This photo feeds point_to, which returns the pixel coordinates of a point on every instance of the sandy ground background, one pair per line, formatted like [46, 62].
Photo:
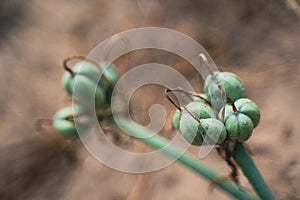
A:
[258, 40]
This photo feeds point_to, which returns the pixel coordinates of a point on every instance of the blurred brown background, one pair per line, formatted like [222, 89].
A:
[258, 40]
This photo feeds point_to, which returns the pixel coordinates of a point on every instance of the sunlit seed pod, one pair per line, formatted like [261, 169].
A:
[213, 131]
[231, 84]
[199, 109]
[249, 108]
[238, 125]
[63, 121]
[204, 98]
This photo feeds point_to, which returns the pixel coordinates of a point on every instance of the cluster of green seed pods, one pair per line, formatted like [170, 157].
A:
[235, 119]
[89, 84]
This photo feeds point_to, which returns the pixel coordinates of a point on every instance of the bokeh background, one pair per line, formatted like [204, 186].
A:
[258, 40]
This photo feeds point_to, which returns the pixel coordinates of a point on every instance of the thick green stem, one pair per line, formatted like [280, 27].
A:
[185, 158]
[248, 167]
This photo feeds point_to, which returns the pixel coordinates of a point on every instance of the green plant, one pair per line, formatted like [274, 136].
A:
[196, 121]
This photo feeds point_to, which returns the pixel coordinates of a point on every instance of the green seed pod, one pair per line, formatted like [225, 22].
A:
[188, 126]
[189, 129]
[239, 126]
[83, 68]
[63, 121]
[85, 77]
[231, 84]
[249, 108]
[213, 131]
[86, 90]
[199, 109]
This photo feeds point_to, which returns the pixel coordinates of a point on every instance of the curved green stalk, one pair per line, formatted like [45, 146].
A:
[159, 142]
[248, 167]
